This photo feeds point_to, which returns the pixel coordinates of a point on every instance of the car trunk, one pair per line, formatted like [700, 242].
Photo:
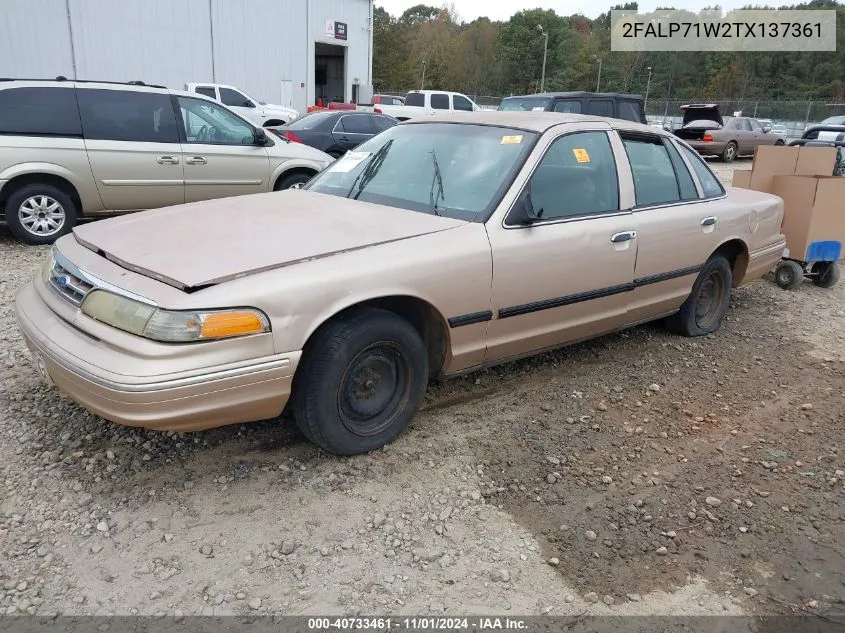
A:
[698, 120]
[196, 245]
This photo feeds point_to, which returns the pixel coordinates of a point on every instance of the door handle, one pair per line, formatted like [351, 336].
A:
[624, 236]
[167, 160]
[710, 221]
[196, 160]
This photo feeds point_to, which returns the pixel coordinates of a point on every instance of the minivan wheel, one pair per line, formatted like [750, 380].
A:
[704, 309]
[362, 377]
[40, 214]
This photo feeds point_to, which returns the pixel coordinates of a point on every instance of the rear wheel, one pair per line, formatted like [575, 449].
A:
[826, 274]
[40, 213]
[362, 377]
[779, 142]
[704, 309]
[729, 153]
[789, 274]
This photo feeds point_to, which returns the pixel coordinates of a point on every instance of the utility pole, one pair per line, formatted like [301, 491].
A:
[598, 81]
[422, 84]
[545, 50]
[647, 86]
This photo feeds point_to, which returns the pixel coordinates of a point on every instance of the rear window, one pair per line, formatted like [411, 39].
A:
[523, 104]
[440, 101]
[206, 92]
[115, 115]
[39, 112]
[415, 99]
[310, 121]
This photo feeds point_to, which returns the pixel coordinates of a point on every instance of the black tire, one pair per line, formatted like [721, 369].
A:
[292, 181]
[704, 309]
[729, 153]
[789, 274]
[273, 122]
[826, 274]
[779, 142]
[32, 196]
[371, 345]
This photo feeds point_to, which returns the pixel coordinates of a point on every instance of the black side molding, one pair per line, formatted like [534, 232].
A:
[674, 274]
[469, 319]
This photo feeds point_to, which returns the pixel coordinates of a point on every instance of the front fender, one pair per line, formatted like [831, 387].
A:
[296, 163]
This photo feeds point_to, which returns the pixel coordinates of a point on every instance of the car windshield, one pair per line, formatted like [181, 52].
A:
[310, 121]
[454, 170]
[524, 104]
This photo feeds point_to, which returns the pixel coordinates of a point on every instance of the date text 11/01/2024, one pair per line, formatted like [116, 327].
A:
[414, 624]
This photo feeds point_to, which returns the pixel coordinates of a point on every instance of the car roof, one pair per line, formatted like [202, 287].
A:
[531, 121]
[581, 93]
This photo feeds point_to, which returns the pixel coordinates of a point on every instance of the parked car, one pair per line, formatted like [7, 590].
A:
[421, 103]
[780, 130]
[834, 120]
[414, 256]
[73, 149]
[260, 113]
[388, 100]
[829, 135]
[710, 134]
[766, 124]
[609, 104]
[335, 132]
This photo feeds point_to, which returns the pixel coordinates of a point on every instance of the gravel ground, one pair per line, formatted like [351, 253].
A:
[638, 473]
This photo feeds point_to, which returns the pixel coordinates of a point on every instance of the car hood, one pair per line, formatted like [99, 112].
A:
[701, 112]
[200, 244]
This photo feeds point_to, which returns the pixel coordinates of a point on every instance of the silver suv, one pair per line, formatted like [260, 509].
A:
[73, 149]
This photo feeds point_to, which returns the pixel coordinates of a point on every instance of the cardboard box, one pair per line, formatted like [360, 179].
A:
[814, 218]
[814, 200]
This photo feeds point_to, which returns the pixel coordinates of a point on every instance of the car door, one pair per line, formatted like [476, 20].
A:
[240, 104]
[567, 275]
[439, 102]
[219, 152]
[462, 104]
[351, 130]
[746, 138]
[677, 225]
[761, 137]
[132, 141]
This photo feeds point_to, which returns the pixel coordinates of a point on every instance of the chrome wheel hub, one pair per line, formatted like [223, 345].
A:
[41, 215]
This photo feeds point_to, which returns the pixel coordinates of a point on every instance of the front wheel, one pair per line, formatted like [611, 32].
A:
[704, 309]
[292, 181]
[40, 214]
[362, 378]
[729, 153]
[789, 274]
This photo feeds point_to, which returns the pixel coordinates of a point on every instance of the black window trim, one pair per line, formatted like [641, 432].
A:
[578, 218]
[659, 205]
[183, 133]
[698, 184]
[667, 144]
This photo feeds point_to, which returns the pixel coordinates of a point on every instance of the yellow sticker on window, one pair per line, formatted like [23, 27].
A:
[512, 140]
[581, 155]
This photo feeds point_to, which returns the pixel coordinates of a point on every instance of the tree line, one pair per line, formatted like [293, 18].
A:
[431, 47]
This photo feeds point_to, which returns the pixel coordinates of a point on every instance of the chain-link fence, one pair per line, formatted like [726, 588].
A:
[795, 116]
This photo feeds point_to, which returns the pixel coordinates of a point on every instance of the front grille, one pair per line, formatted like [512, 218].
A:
[70, 286]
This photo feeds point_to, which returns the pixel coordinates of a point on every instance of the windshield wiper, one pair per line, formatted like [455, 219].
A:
[436, 180]
[369, 172]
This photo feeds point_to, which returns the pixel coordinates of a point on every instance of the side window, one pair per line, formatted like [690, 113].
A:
[685, 182]
[208, 123]
[382, 123]
[39, 111]
[356, 124]
[127, 115]
[235, 99]
[206, 91]
[600, 107]
[461, 103]
[576, 177]
[629, 111]
[440, 101]
[654, 176]
[709, 183]
[570, 106]
[743, 124]
[755, 125]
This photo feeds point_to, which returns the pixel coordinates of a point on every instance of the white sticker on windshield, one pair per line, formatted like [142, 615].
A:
[540, 109]
[349, 162]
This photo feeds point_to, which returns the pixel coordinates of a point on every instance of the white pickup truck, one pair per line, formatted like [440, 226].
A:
[421, 103]
[260, 113]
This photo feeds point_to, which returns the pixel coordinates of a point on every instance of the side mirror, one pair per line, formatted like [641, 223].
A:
[260, 137]
[523, 212]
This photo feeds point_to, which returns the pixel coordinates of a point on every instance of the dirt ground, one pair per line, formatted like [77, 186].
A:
[638, 473]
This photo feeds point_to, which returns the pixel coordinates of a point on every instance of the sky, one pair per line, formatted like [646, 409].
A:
[468, 10]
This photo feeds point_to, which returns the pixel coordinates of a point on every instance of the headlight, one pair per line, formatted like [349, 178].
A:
[172, 326]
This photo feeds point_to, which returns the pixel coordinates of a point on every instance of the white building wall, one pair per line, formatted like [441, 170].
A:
[255, 45]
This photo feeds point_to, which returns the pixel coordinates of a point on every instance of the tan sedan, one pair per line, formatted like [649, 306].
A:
[437, 248]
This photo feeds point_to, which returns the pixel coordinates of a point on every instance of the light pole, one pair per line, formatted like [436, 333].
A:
[598, 81]
[422, 84]
[647, 85]
[545, 50]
